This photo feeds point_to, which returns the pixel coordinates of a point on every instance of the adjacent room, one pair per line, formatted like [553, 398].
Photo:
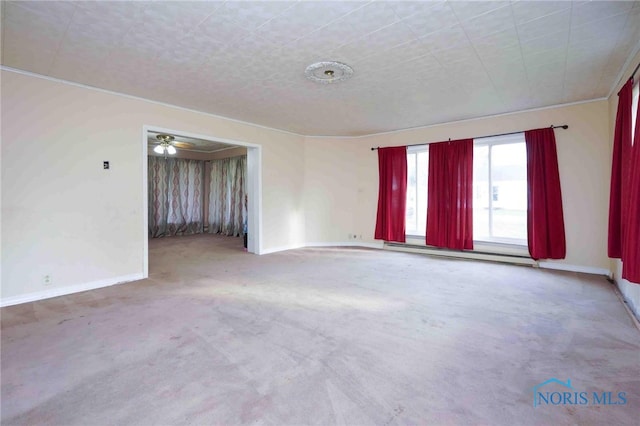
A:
[196, 186]
[320, 212]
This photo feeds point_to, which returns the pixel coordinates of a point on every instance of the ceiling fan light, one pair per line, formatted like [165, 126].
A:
[171, 150]
[158, 149]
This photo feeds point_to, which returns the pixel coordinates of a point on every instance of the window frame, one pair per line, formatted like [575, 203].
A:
[490, 142]
[635, 98]
[415, 149]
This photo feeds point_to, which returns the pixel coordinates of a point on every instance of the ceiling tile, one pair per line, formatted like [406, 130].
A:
[495, 44]
[251, 14]
[589, 48]
[493, 55]
[432, 19]
[80, 49]
[545, 43]
[551, 56]
[445, 39]
[507, 75]
[608, 28]
[49, 10]
[405, 9]
[369, 18]
[469, 9]
[303, 18]
[497, 20]
[107, 29]
[525, 11]
[371, 44]
[585, 12]
[399, 54]
[326, 39]
[543, 77]
[36, 37]
[548, 24]
[221, 29]
[179, 18]
[459, 53]
[191, 51]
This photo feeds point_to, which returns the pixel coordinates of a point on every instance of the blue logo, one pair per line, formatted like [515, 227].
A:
[569, 396]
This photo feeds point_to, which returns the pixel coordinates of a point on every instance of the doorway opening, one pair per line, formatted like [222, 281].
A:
[203, 156]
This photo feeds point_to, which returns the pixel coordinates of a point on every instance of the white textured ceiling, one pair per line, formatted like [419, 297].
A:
[415, 63]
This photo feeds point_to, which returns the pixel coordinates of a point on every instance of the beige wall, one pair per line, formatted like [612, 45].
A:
[583, 152]
[64, 216]
[630, 291]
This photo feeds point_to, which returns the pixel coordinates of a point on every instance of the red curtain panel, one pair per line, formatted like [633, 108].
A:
[450, 194]
[545, 222]
[392, 194]
[631, 236]
[620, 169]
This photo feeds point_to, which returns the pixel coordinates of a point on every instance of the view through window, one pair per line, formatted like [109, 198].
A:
[499, 189]
[417, 180]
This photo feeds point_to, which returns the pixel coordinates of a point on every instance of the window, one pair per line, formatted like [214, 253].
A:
[500, 189]
[634, 109]
[417, 173]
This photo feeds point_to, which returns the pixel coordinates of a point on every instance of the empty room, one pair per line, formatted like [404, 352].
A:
[320, 212]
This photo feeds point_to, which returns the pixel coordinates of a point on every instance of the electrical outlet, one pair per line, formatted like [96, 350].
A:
[350, 236]
[47, 280]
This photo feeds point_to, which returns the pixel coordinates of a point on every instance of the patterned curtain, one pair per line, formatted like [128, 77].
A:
[227, 196]
[175, 196]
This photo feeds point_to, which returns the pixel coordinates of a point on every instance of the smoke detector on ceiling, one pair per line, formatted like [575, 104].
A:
[328, 72]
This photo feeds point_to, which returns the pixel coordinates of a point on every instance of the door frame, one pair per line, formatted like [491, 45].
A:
[254, 188]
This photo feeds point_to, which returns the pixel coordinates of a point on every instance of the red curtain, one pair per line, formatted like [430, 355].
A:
[618, 198]
[392, 194]
[631, 235]
[450, 193]
[545, 222]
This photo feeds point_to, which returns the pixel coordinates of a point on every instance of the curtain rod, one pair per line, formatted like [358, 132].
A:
[564, 126]
[635, 71]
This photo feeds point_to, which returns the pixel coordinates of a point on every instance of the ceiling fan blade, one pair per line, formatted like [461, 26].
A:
[184, 145]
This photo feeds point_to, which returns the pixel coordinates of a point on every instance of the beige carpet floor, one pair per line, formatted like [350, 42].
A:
[320, 336]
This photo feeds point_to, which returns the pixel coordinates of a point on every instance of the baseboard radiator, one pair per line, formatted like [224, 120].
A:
[467, 254]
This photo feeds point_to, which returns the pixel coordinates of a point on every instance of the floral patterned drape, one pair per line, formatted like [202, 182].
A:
[227, 196]
[175, 196]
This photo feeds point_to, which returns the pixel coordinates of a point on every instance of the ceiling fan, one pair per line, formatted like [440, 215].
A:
[168, 144]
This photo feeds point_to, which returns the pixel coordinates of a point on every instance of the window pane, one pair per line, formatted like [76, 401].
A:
[509, 190]
[422, 188]
[481, 193]
[411, 218]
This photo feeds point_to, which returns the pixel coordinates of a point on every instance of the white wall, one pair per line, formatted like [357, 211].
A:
[64, 216]
[630, 291]
[583, 152]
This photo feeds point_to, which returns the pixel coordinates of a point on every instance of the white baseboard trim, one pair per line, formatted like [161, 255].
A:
[375, 245]
[62, 291]
[631, 309]
[282, 248]
[503, 258]
[575, 268]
